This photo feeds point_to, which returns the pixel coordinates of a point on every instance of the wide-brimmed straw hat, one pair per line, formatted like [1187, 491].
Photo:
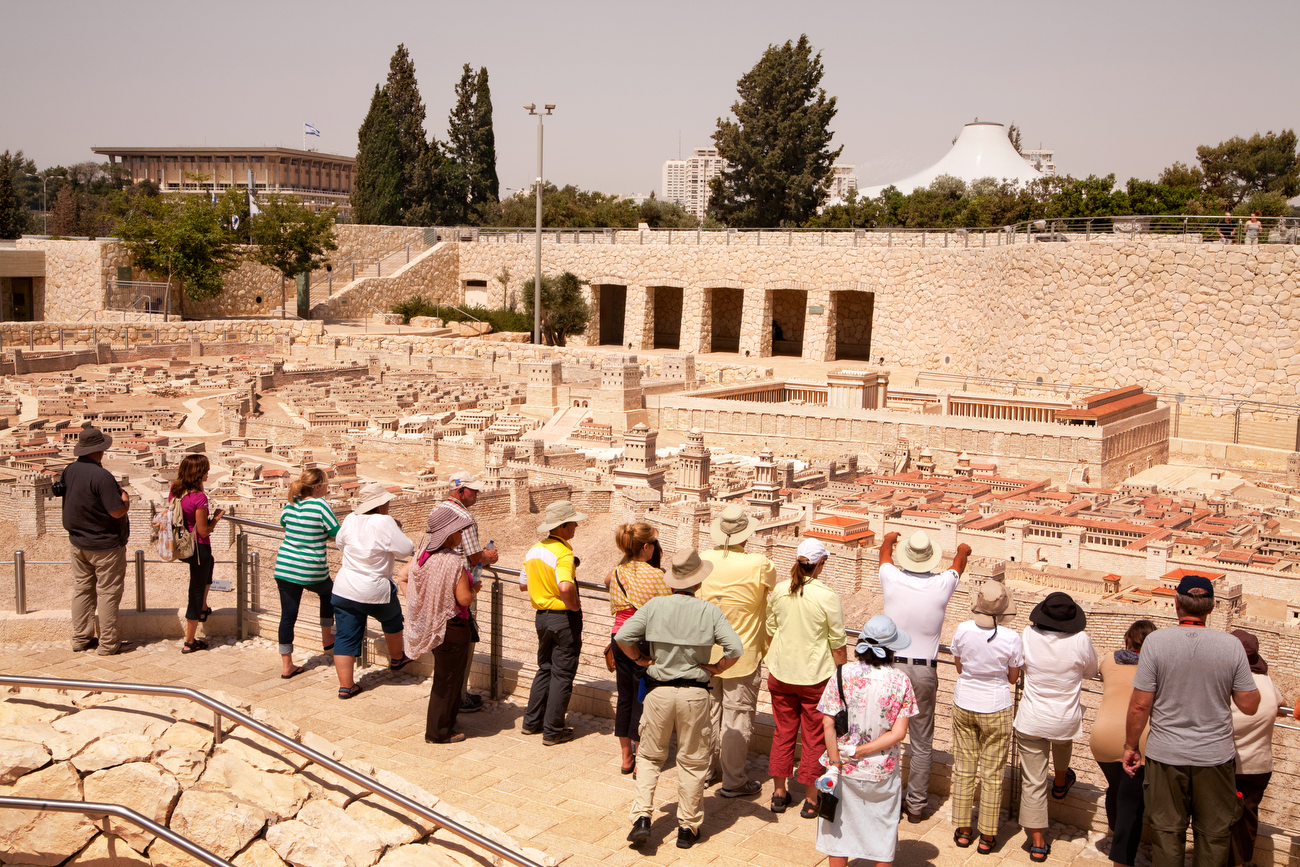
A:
[1059, 611]
[442, 523]
[992, 602]
[372, 496]
[919, 554]
[91, 440]
[558, 513]
[733, 526]
[688, 569]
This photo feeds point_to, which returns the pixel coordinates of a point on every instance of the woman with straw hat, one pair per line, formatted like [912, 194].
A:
[682, 632]
[438, 594]
[989, 657]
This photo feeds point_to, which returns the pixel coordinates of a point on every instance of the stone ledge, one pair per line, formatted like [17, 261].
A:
[132, 625]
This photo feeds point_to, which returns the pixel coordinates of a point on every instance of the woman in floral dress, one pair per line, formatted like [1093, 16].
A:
[880, 701]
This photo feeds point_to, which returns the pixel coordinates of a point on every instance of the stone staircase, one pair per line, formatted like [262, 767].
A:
[380, 263]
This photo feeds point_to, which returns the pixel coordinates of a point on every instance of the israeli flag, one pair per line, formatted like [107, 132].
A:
[308, 129]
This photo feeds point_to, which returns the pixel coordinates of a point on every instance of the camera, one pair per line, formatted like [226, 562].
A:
[59, 488]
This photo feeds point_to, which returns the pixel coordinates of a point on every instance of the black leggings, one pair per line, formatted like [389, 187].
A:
[627, 676]
[201, 564]
[1125, 804]
[291, 599]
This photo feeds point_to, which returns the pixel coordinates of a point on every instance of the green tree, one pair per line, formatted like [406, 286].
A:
[460, 147]
[289, 236]
[1238, 168]
[778, 148]
[376, 194]
[666, 215]
[485, 187]
[1013, 135]
[13, 216]
[408, 112]
[855, 212]
[566, 208]
[564, 310]
[178, 238]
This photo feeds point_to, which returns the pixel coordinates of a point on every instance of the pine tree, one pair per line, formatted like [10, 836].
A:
[12, 218]
[485, 187]
[376, 194]
[408, 116]
[778, 149]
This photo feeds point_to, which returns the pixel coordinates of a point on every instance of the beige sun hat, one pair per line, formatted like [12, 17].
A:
[993, 601]
[372, 496]
[557, 513]
[733, 526]
[688, 569]
[918, 554]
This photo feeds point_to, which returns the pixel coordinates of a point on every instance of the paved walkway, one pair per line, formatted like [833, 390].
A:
[569, 801]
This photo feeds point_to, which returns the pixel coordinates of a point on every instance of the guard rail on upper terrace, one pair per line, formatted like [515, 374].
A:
[1189, 229]
[385, 254]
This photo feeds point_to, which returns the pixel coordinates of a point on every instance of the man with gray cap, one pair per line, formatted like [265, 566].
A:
[1187, 680]
[461, 497]
[94, 514]
[553, 588]
[739, 584]
[682, 631]
[916, 598]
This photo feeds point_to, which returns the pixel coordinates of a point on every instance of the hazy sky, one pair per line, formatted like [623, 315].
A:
[1125, 87]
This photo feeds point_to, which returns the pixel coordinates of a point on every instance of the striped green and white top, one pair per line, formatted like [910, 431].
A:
[307, 524]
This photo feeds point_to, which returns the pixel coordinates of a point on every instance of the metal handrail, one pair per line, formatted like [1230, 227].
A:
[94, 808]
[220, 710]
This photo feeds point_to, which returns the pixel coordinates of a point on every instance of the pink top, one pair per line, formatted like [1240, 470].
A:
[190, 504]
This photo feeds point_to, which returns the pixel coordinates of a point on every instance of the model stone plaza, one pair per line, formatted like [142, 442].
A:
[605, 504]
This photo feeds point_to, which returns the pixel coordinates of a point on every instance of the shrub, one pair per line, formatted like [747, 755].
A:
[500, 320]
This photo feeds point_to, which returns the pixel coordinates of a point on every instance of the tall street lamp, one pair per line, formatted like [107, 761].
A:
[537, 272]
[45, 209]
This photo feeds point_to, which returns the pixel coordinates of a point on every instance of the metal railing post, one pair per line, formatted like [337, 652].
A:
[139, 580]
[216, 727]
[241, 582]
[255, 581]
[498, 603]
[20, 582]
[1015, 751]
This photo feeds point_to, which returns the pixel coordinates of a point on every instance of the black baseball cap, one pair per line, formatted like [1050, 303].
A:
[1195, 582]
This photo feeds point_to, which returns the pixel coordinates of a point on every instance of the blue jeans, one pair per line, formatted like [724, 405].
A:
[291, 599]
[350, 621]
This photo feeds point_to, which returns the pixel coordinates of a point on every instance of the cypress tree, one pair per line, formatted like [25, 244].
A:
[12, 217]
[485, 188]
[460, 146]
[376, 194]
[408, 115]
[778, 148]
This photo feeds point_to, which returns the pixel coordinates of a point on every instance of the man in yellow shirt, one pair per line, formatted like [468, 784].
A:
[552, 586]
[739, 584]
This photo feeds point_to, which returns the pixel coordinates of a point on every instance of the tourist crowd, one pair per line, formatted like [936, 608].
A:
[1183, 734]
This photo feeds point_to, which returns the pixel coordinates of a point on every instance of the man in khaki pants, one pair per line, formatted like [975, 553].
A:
[682, 631]
[94, 513]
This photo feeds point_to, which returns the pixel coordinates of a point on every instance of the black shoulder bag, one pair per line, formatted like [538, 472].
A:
[841, 718]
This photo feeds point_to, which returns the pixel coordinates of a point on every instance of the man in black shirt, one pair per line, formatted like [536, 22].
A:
[94, 514]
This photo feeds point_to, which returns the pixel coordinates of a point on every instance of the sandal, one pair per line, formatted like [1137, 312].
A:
[196, 644]
[401, 663]
[630, 769]
[327, 648]
[349, 691]
[780, 802]
[808, 810]
[986, 845]
[963, 837]
[1059, 792]
[203, 615]
[298, 669]
[1038, 854]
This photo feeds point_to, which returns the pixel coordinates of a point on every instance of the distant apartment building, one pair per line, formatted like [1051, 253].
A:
[840, 182]
[1043, 160]
[687, 181]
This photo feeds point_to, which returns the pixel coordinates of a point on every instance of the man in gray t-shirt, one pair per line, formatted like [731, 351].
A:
[1187, 679]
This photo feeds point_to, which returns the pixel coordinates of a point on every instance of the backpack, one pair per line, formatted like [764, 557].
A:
[182, 539]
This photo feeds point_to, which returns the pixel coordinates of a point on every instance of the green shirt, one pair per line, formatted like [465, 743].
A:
[682, 631]
[307, 524]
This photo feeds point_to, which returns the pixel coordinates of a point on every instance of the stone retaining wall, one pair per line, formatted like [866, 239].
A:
[433, 274]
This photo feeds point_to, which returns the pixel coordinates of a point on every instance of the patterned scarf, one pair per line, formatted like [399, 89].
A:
[431, 600]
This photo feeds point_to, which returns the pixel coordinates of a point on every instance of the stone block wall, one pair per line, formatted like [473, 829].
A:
[434, 274]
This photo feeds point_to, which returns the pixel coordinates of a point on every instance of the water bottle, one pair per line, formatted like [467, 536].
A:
[826, 782]
[476, 573]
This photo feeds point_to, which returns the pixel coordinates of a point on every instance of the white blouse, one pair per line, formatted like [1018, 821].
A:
[982, 686]
[1056, 664]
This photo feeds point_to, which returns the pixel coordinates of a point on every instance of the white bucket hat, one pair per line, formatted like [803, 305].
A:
[371, 497]
[557, 513]
[919, 554]
[733, 526]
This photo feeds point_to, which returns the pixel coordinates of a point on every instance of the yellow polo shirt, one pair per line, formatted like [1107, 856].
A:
[739, 584]
[547, 564]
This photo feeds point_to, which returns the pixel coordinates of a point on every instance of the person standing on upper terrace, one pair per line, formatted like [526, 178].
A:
[916, 598]
[739, 584]
[1188, 678]
[94, 514]
[551, 567]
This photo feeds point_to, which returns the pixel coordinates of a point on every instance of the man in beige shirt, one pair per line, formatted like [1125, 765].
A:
[739, 584]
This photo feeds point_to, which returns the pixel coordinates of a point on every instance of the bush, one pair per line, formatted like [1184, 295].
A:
[500, 320]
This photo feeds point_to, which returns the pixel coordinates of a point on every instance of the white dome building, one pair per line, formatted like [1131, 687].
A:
[981, 151]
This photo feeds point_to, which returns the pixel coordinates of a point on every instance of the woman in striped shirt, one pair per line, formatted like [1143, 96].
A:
[300, 563]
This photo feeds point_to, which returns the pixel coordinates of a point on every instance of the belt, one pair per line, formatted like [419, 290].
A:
[930, 663]
[651, 683]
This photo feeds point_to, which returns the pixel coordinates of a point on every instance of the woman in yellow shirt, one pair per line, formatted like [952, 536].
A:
[632, 583]
[806, 622]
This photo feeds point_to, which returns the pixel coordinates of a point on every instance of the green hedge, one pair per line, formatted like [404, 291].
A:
[500, 320]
